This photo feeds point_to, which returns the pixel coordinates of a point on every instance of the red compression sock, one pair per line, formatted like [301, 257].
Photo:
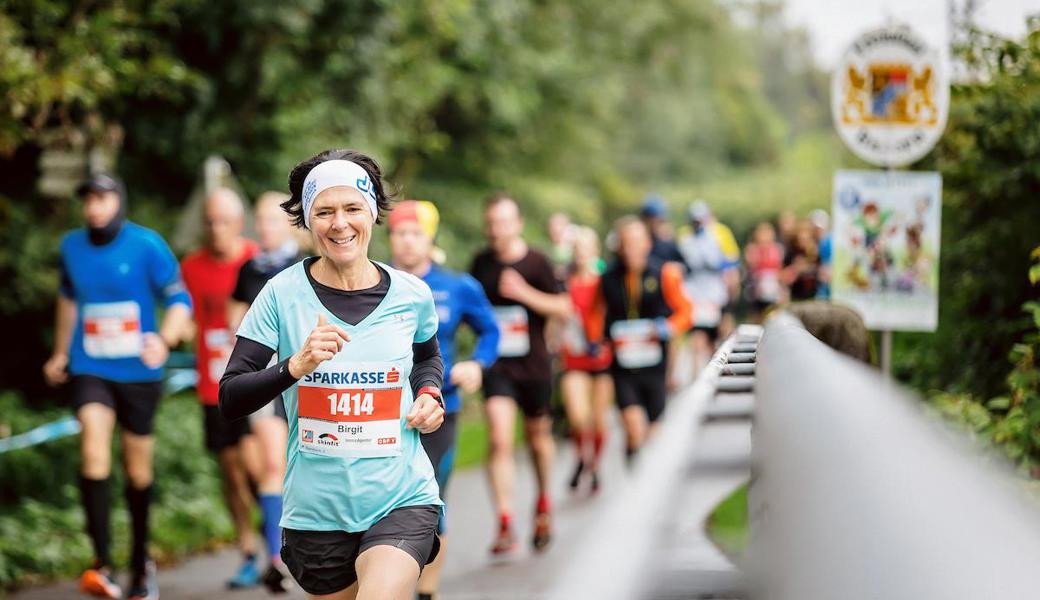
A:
[598, 440]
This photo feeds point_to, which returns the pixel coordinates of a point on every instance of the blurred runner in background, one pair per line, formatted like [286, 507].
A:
[654, 214]
[114, 273]
[520, 283]
[459, 300]
[645, 308]
[561, 236]
[802, 264]
[822, 229]
[279, 250]
[211, 274]
[764, 258]
[586, 384]
[705, 283]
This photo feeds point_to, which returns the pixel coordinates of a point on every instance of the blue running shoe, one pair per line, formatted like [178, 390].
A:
[248, 576]
[145, 587]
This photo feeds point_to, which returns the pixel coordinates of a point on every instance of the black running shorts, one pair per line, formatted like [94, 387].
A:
[644, 388]
[534, 397]
[220, 432]
[322, 562]
[134, 403]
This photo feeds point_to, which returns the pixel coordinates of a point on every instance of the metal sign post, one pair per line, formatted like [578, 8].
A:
[889, 102]
[886, 352]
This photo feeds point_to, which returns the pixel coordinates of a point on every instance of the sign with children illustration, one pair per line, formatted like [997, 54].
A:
[886, 247]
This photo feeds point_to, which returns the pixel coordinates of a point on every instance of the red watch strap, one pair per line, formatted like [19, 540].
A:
[433, 391]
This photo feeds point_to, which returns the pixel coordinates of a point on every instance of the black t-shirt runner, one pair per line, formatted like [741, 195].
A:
[518, 360]
[255, 272]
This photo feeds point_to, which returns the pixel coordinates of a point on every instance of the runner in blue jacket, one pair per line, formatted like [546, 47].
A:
[459, 299]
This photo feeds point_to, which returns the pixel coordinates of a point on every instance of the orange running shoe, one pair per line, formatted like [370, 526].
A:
[98, 582]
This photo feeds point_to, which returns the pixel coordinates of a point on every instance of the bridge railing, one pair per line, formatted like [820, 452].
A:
[858, 492]
[613, 563]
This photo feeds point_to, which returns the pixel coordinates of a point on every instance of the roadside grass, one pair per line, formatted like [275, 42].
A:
[727, 526]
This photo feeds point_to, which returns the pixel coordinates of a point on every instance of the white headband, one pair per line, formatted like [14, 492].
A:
[333, 173]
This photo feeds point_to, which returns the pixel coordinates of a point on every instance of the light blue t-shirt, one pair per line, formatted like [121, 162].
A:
[348, 466]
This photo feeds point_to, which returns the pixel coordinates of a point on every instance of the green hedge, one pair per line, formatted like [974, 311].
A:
[41, 522]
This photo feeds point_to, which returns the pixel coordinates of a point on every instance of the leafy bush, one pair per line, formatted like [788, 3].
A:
[1010, 422]
[990, 162]
[41, 522]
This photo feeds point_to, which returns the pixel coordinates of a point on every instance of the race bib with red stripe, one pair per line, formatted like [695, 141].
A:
[351, 409]
[514, 332]
[636, 345]
[112, 330]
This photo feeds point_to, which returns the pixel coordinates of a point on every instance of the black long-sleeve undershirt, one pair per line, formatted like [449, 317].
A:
[247, 386]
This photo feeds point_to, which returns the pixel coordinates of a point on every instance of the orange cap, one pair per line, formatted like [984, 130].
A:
[419, 211]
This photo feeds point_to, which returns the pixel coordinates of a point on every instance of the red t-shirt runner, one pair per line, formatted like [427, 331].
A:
[210, 282]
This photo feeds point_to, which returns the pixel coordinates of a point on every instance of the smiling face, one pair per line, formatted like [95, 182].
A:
[341, 225]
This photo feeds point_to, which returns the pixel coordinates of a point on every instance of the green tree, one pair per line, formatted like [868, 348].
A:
[990, 161]
[578, 103]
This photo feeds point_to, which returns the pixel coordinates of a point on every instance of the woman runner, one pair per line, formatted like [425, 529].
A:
[356, 343]
[586, 383]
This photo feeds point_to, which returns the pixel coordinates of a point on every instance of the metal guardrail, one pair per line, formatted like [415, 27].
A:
[859, 494]
[612, 563]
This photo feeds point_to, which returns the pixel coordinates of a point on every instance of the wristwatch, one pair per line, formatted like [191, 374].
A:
[433, 391]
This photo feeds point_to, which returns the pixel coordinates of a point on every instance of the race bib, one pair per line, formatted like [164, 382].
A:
[574, 338]
[218, 351]
[351, 409]
[635, 343]
[706, 314]
[514, 332]
[768, 287]
[112, 330]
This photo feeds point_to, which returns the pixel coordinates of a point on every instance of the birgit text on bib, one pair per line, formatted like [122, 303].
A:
[351, 409]
[514, 332]
[635, 343]
[112, 330]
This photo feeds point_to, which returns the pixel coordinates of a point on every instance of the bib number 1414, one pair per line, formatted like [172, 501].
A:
[351, 405]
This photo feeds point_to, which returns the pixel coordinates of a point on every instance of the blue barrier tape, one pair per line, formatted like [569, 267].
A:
[177, 380]
[43, 433]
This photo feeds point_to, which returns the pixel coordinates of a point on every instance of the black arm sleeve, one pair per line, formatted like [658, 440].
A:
[247, 386]
[427, 366]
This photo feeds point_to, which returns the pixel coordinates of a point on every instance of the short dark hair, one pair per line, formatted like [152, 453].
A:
[294, 205]
[499, 197]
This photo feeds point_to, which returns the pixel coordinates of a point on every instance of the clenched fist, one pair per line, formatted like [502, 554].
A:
[322, 344]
